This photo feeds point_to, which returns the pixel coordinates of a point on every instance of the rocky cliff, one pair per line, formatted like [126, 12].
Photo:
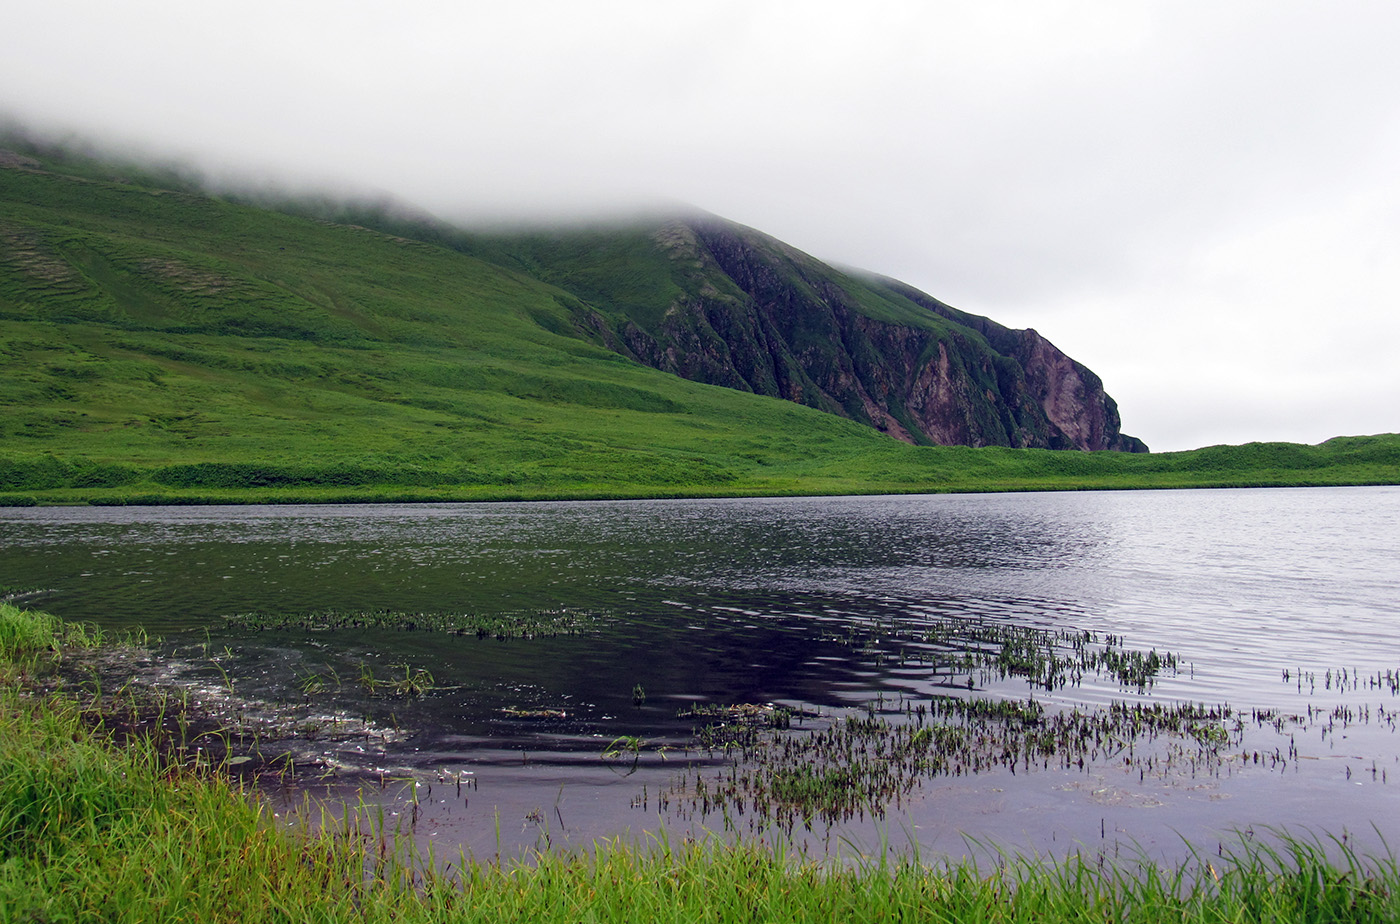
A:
[719, 303]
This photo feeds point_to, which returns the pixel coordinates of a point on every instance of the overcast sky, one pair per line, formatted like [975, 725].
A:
[1198, 200]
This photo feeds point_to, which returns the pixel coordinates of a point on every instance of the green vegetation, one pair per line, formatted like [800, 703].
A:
[92, 831]
[862, 765]
[26, 634]
[412, 683]
[716, 302]
[158, 346]
[1049, 659]
[500, 626]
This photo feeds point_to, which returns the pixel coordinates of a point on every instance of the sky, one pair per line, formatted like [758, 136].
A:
[1198, 200]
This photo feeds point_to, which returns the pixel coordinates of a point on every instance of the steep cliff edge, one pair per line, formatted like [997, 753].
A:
[716, 302]
[1071, 395]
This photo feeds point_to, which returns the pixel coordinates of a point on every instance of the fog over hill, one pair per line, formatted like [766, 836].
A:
[1195, 200]
[695, 296]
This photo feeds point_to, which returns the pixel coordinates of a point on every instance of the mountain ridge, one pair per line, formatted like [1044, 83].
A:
[739, 308]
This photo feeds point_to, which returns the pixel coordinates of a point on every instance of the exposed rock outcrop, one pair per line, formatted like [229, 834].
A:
[762, 317]
[716, 302]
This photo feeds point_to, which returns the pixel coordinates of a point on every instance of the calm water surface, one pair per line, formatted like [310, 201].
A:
[759, 601]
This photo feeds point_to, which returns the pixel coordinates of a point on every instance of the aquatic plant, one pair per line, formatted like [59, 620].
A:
[982, 650]
[117, 835]
[1344, 680]
[11, 592]
[519, 713]
[501, 626]
[858, 766]
[413, 682]
[623, 746]
[92, 829]
[736, 726]
[765, 714]
[25, 633]
[313, 682]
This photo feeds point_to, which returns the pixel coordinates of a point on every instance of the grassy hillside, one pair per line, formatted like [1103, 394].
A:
[162, 345]
[716, 302]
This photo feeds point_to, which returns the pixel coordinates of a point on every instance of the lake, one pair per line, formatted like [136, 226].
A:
[660, 631]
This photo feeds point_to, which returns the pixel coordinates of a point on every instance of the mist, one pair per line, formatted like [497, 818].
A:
[1197, 201]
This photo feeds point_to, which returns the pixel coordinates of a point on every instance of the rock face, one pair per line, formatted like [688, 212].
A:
[750, 313]
[1071, 396]
[716, 302]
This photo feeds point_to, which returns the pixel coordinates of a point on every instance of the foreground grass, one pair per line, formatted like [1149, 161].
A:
[91, 832]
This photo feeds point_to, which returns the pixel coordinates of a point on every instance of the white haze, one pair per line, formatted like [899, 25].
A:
[1199, 200]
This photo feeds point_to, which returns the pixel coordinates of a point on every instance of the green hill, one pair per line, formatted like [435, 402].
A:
[716, 302]
[158, 344]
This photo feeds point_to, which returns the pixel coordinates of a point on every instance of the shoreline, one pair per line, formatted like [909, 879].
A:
[122, 834]
[178, 479]
[371, 496]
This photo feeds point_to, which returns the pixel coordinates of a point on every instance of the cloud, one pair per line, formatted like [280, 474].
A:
[1176, 193]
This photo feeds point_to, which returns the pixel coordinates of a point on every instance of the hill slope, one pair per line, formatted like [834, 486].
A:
[716, 302]
[161, 345]
[151, 326]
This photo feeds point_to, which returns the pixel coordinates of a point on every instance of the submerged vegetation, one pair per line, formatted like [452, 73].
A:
[1047, 659]
[500, 626]
[412, 683]
[189, 711]
[861, 767]
[93, 830]
[833, 769]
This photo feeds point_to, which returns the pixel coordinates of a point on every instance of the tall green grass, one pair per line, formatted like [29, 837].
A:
[93, 832]
[27, 633]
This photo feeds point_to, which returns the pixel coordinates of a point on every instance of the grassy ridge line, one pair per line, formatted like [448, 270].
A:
[92, 832]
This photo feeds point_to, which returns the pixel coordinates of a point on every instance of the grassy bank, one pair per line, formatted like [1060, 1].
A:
[864, 464]
[89, 831]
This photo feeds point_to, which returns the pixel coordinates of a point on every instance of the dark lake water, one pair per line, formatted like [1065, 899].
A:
[1279, 603]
